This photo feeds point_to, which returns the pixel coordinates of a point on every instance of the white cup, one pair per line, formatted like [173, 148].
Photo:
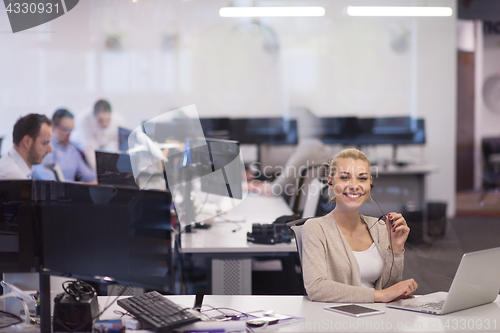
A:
[102, 194]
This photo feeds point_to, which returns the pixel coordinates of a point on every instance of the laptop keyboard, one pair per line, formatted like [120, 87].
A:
[433, 305]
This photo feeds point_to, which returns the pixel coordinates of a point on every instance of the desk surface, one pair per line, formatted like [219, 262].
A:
[231, 237]
[316, 319]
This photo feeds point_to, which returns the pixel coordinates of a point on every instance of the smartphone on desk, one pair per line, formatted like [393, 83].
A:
[354, 310]
[258, 322]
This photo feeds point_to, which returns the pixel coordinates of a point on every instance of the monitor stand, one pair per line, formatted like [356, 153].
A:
[395, 161]
[45, 317]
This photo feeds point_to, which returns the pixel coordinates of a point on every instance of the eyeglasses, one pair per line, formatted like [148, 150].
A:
[64, 129]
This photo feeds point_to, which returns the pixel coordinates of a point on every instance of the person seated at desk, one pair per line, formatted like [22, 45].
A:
[64, 154]
[348, 257]
[31, 137]
[97, 130]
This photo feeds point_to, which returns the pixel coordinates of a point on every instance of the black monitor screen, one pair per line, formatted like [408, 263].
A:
[373, 131]
[18, 231]
[338, 130]
[214, 161]
[114, 169]
[108, 233]
[123, 134]
[324, 206]
[216, 127]
[222, 157]
[391, 130]
[273, 131]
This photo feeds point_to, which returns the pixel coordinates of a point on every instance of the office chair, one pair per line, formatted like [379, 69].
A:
[302, 184]
[296, 227]
[491, 165]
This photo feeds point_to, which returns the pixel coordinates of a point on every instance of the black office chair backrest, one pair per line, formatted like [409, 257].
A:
[491, 162]
[490, 146]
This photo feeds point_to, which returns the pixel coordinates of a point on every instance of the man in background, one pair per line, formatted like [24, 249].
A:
[31, 137]
[64, 154]
[97, 130]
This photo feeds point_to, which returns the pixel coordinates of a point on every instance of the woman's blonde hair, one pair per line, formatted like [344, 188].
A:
[353, 153]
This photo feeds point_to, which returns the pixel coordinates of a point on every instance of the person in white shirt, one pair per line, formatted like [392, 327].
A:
[97, 130]
[64, 154]
[31, 137]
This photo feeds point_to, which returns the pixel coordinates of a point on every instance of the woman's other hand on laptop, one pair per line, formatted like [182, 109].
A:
[400, 290]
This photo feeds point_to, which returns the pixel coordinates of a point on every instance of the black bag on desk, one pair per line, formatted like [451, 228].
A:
[277, 232]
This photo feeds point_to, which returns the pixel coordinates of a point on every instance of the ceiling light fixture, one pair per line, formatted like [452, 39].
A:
[398, 11]
[271, 11]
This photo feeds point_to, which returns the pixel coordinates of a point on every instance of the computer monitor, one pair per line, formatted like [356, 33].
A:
[163, 130]
[318, 200]
[105, 234]
[338, 130]
[271, 131]
[372, 131]
[123, 134]
[219, 128]
[18, 231]
[215, 162]
[391, 130]
[223, 155]
[114, 169]
[108, 234]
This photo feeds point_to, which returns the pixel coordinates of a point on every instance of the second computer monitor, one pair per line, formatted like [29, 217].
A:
[272, 131]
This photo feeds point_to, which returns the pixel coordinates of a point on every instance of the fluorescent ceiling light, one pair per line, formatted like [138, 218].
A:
[398, 11]
[271, 11]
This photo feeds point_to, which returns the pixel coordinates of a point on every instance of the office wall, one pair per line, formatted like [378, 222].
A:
[151, 56]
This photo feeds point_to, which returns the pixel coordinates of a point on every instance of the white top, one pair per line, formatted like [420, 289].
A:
[89, 137]
[13, 166]
[370, 265]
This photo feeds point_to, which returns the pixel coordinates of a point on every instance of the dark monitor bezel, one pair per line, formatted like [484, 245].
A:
[241, 126]
[359, 131]
[123, 204]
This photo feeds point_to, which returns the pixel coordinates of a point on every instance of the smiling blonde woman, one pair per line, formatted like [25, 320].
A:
[348, 257]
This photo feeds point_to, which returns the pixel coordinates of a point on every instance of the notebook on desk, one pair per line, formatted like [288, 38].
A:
[476, 282]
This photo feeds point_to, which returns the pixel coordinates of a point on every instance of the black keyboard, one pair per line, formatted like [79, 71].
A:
[156, 312]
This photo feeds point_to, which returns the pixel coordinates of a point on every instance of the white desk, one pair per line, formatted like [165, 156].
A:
[316, 319]
[226, 243]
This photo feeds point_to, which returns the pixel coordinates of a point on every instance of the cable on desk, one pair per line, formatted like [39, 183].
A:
[11, 315]
[96, 316]
[203, 205]
[229, 221]
[218, 309]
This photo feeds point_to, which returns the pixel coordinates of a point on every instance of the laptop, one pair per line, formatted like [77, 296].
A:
[476, 282]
